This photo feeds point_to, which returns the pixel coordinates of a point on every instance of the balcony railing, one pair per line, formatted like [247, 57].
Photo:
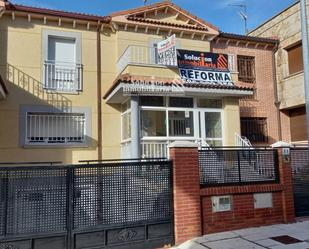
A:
[63, 77]
[137, 55]
[143, 55]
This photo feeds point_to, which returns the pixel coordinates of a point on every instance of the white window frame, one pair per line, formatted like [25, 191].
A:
[196, 124]
[65, 35]
[127, 111]
[48, 109]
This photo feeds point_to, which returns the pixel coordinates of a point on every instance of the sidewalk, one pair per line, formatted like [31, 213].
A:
[255, 238]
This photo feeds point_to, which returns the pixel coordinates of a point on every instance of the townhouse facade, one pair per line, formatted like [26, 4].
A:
[286, 27]
[77, 85]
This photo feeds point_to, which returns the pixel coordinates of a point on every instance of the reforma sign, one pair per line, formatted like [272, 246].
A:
[203, 67]
[167, 51]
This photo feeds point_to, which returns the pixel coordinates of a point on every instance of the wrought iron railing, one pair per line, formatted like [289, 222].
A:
[238, 166]
[63, 77]
[55, 128]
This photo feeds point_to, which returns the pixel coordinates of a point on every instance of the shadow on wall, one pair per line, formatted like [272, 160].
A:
[26, 90]
[36, 89]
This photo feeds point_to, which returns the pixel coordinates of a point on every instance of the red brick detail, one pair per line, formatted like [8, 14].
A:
[286, 179]
[241, 189]
[243, 214]
[187, 202]
[263, 106]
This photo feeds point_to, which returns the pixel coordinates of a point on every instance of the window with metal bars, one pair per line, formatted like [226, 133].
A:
[255, 129]
[55, 128]
[246, 68]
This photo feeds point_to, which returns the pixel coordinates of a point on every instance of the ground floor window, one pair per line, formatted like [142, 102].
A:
[153, 123]
[55, 128]
[255, 129]
[180, 123]
[173, 118]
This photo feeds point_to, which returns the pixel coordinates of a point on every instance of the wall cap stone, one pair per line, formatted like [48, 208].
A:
[281, 144]
[183, 144]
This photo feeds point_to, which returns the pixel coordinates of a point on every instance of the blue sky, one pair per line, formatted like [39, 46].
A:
[217, 12]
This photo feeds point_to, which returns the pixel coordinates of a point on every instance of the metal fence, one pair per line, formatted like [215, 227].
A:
[238, 166]
[42, 200]
[300, 171]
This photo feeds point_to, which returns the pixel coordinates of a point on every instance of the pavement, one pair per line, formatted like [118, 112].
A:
[255, 238]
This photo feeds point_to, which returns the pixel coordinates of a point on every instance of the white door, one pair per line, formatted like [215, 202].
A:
[211, 125]
[62, 63]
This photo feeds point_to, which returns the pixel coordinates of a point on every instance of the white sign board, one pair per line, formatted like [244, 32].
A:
[203, 76]
[167, 54]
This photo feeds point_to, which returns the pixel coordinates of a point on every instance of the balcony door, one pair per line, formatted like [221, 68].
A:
[61, 50]
[61, 64]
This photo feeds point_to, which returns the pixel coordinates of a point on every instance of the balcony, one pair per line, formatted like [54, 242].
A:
[135, 57]
[63, 77]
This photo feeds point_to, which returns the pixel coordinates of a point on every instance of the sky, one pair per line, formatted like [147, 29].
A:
[217, 12]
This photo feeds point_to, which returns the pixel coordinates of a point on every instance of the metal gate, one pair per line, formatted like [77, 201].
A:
[107, 205]
[300, 169]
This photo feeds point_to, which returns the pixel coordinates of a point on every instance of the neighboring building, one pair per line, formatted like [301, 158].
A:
[286, 26]
[60, 65]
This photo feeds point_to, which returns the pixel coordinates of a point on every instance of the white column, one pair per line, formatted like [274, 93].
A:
[135, 128]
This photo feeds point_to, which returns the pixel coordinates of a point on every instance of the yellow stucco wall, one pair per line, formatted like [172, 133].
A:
[21, 64]
[231, 120]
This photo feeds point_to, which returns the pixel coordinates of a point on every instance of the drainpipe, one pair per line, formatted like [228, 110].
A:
[277, 100]
[99, 91]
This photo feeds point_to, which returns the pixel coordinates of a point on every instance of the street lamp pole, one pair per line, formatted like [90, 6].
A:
[305, 44]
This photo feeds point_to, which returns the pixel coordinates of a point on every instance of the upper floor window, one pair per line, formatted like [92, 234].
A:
[295, 59]
[246, 68]
[62, 62]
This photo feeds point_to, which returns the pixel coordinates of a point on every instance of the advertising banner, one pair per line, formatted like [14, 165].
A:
[203, 67]
[167, 51]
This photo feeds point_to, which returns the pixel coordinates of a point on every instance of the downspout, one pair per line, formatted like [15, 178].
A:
[99, 91]
[277, 100]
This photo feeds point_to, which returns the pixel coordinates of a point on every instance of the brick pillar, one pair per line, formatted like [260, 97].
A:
[286, 179]
[186, 183]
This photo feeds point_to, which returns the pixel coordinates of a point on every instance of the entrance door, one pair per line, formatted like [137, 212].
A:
[211, 128]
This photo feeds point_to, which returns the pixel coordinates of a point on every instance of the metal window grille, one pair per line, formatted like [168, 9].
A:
[255, 129]
[64, 77]
[246, 68]
[233, 167]
[53, 128]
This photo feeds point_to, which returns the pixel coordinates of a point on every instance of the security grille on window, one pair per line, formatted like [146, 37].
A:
[246, 68]
[55, 128]
[255, 129]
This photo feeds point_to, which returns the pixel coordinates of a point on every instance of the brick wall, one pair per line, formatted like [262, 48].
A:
[187, 207]
[243, 213]
[263, 106]
[193, 211]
